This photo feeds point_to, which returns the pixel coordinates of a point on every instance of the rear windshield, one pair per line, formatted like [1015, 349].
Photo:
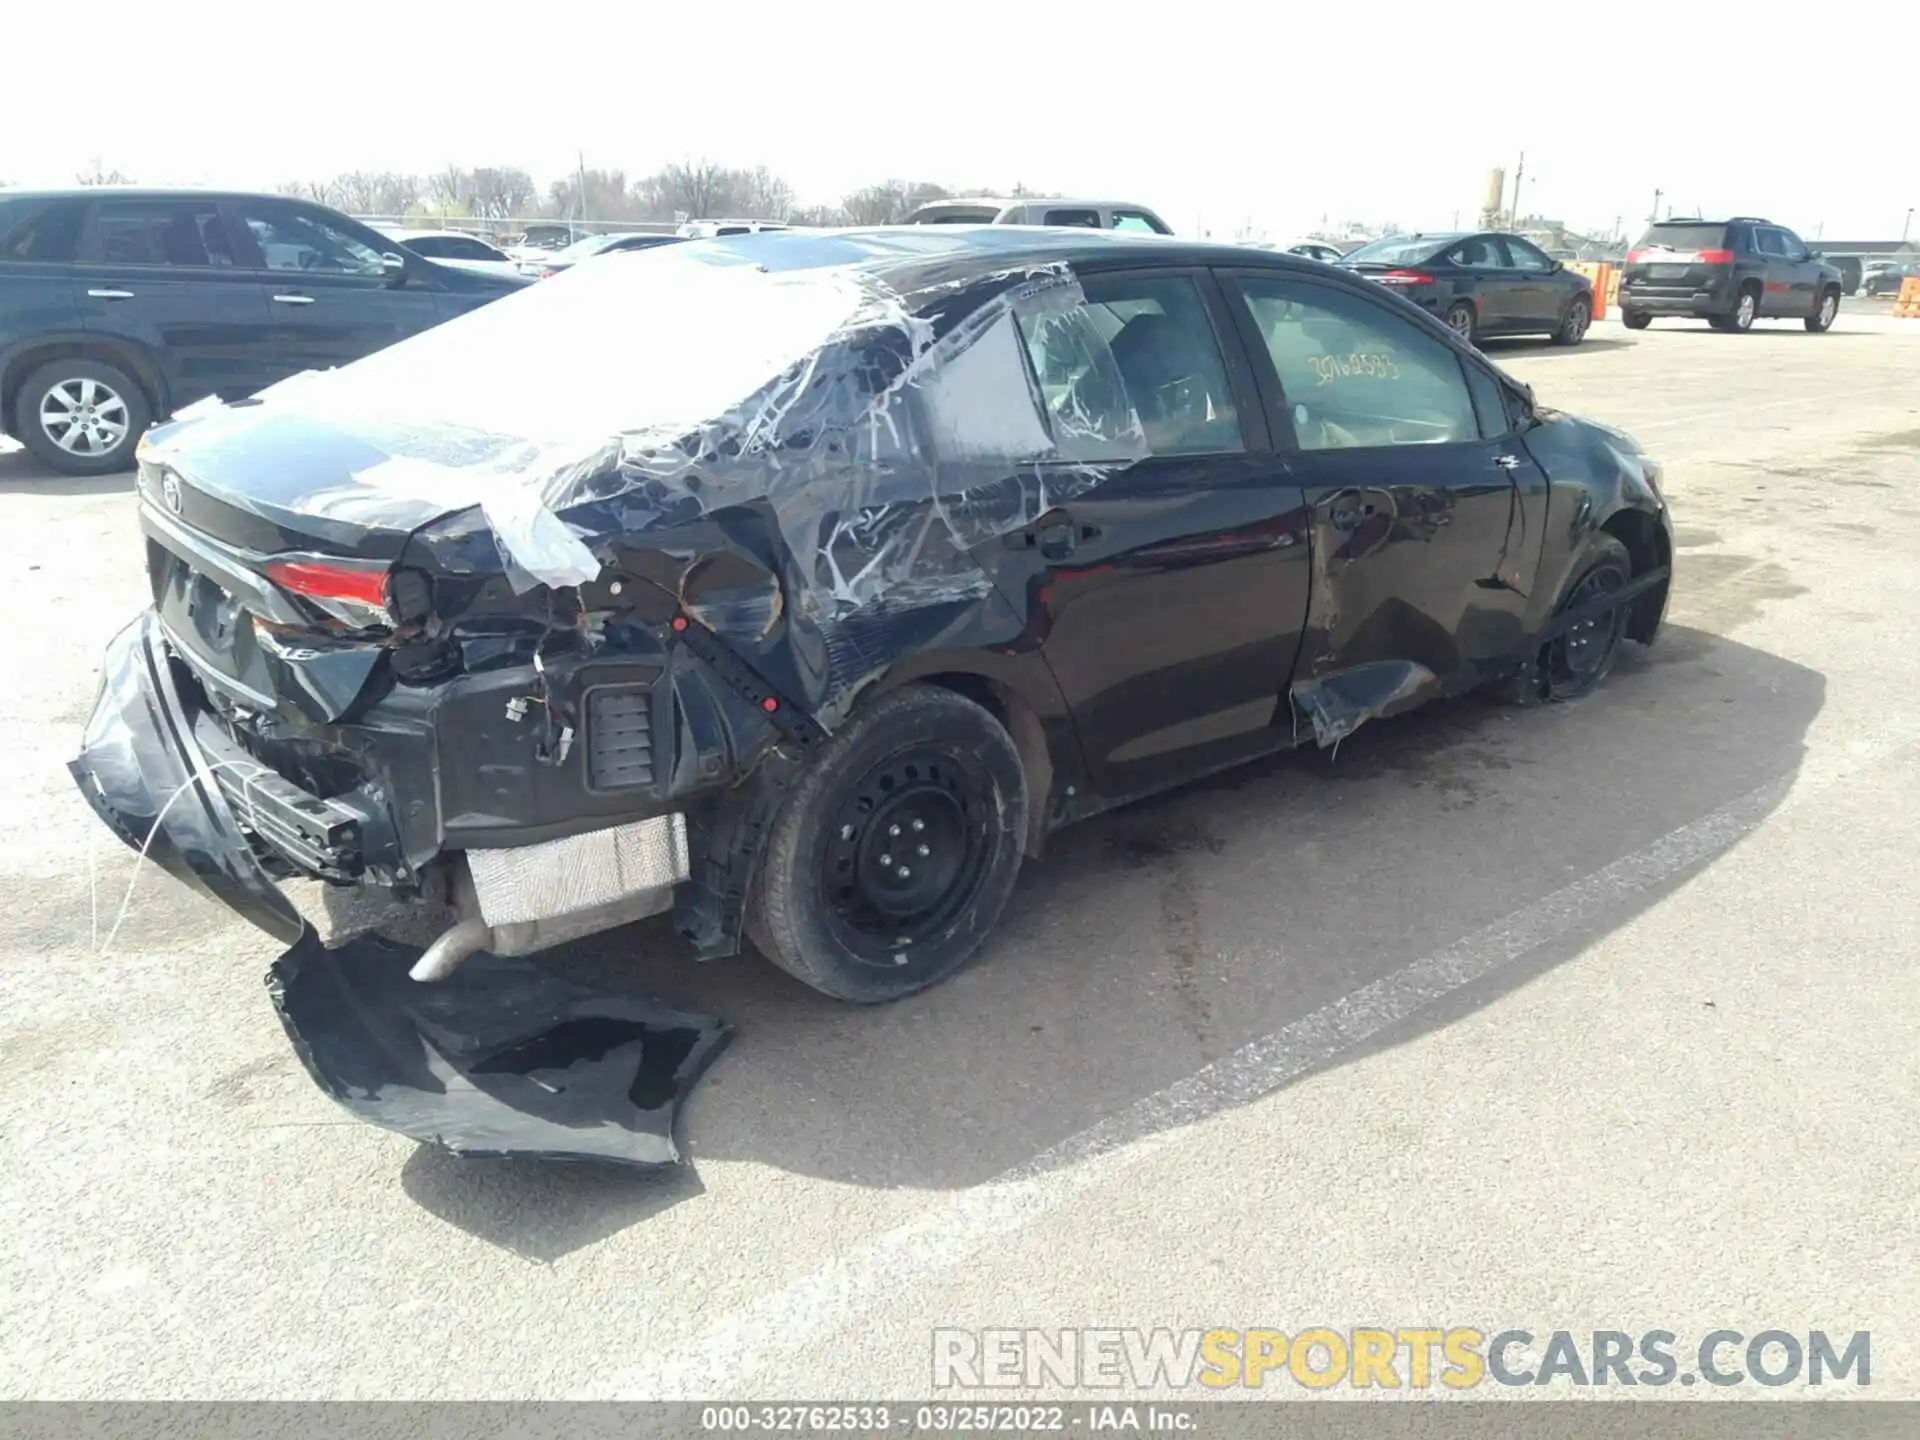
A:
[1398, 249]
[1685, 237]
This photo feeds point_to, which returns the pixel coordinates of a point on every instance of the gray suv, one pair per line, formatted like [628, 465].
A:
[1728, 273]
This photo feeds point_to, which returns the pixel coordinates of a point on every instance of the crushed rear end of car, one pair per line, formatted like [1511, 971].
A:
[538, 664]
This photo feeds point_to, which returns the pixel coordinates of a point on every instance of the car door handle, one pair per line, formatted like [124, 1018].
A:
[293, 299]
[1507, 462]
[111, 294]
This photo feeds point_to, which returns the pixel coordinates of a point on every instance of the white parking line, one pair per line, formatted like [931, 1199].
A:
[774, 1329]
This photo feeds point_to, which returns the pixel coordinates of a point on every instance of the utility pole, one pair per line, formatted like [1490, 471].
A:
[1519, 173]
[581, 172]
[1906, 225]
[1654, 218]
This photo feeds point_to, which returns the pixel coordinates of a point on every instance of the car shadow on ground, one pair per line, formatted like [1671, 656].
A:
[1157, 939]
[21, 473]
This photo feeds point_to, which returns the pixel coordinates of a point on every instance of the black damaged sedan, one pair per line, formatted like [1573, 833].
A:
[802, 584]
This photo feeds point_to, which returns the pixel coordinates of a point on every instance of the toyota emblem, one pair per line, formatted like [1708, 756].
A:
[170, 493]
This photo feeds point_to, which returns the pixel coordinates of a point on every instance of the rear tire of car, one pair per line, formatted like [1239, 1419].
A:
[896, 850]
[1573, 325]
[1822, 319]
[81, 416]
[1464, 321]
[1635, 319]
[1746, 309]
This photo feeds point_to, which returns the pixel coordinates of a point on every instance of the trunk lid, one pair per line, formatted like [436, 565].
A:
[270, 559]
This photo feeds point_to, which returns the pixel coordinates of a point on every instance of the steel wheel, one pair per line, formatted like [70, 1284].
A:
[1581, 658]
[84, 416]
[906, 850]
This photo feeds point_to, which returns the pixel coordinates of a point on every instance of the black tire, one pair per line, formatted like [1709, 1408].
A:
[1464, 321]
[120, 408]
[1822, 319]
[1635, 319]
[1576, 664]
[922, 768]
[1573, 325]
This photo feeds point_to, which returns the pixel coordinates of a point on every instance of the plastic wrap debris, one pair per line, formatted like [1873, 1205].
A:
[1338, 704]
[837, 382]
[499, 1058]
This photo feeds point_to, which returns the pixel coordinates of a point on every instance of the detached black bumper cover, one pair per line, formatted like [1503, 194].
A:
[143, 774]
[501, 1058]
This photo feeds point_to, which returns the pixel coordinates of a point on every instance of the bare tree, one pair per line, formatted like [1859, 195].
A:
[323, 192]
[376, 192]
[759, 194]
[607, 197]
[889, 202]
[697, 187]
[495, 192]
[450, 189]
[95, 175]
[819, 215]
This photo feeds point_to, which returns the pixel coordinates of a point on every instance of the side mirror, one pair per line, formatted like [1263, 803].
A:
[394, 266]
[1555, 267]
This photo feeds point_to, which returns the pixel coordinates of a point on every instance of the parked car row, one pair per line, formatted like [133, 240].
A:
[120, 306]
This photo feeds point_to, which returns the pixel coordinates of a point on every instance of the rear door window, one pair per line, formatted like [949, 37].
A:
[1085, 219]
[185, 234]
[1771, 242]
[1140, 348]
[1482, 252]
[36, 231]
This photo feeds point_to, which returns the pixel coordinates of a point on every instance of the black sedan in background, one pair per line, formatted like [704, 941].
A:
[1486, 284]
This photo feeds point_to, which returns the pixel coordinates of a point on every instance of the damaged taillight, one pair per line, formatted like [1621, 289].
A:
[352, 592]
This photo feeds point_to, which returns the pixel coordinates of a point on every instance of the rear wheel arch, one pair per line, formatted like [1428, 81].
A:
[130, 358]
[1021, 717]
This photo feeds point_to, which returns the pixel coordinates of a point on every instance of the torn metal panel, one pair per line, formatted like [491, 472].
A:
[500, 1058]
[1338, 704]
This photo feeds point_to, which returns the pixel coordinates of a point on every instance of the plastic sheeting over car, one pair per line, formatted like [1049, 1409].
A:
[826, 377]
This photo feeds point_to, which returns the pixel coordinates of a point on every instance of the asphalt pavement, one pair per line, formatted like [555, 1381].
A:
[1597, 1015]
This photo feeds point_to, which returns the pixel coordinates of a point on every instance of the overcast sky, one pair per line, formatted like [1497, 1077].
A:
[1375, 111]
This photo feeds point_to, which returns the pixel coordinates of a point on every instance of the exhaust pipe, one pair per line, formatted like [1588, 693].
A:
[445, 955]
[463, 940]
